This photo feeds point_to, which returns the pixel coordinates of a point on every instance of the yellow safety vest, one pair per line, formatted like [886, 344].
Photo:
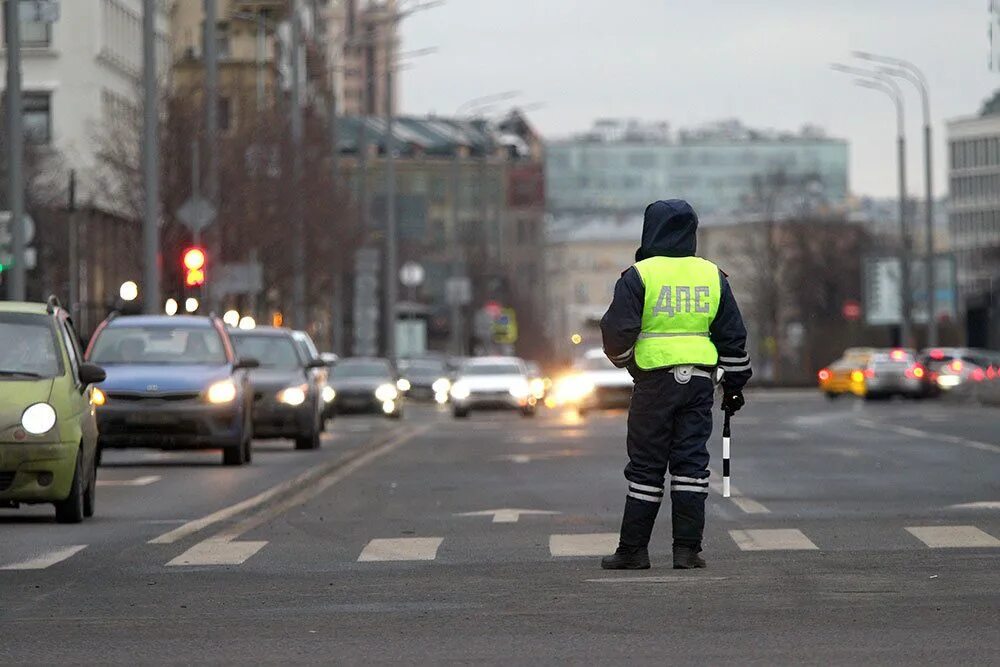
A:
[682, 298]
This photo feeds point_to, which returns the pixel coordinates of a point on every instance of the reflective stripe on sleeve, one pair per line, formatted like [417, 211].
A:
[735, 360]
[624, 356]
[735, 369]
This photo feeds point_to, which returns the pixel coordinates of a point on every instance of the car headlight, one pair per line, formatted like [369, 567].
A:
[520, 389]
[538, 388]
[403, 384]
[293, 395]
[38, 418]
[460, 390]
[221, 392]
[98, 397]
[948, 381]
[441, 386]
[329, 394]
[386, 393]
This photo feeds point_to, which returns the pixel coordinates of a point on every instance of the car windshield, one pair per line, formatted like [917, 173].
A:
[498, 368]
[422, 368]
[196, 346]
[28, 346]
[271, 351]
[361, 369]
[595, 364]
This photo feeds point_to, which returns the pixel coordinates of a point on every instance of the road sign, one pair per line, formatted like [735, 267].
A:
[196, 213]
[883, 303]
[30, 258]
[505, 327]
[507, 515]
[458, 291]
[851, 310]
[7, 232]
[237, 278]
[366, 305]
[411, 274]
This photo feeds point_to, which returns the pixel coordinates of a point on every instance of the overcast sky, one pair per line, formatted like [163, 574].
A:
[691, 61]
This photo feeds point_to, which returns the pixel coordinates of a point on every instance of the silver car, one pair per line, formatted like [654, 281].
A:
[492, 383]
[893, 373]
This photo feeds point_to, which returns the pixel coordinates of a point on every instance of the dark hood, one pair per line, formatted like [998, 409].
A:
[276, 378]
[668, 230]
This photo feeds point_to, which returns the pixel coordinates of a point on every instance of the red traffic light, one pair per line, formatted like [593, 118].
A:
[194, 260]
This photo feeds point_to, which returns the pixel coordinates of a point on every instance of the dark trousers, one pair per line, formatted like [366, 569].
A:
[669, 425]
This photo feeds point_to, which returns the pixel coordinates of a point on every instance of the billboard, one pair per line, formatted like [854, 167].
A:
[883, 296]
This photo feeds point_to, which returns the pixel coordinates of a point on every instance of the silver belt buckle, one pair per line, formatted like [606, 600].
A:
[682, 374]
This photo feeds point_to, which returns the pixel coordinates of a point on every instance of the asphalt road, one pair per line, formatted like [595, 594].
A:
[859, 534]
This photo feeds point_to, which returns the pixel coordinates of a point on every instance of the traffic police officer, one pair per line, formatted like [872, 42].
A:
[675, 325]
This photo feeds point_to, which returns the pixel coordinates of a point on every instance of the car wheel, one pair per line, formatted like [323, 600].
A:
[310, 440]
[71, 509]
[832, 396]
[460, 413]
[527, 412]
[98, 455]
[90, 498]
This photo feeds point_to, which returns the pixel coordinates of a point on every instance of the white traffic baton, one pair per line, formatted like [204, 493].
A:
[725, 455]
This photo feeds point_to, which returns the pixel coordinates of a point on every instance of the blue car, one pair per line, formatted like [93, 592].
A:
[173, 383]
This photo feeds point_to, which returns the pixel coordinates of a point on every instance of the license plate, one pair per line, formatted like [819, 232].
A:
[154, 419]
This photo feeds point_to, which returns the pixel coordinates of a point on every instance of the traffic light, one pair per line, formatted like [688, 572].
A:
[194, 261]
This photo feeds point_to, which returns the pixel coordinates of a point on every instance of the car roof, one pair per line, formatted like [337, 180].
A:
[29, 307]
[262, 331]
[188, 321]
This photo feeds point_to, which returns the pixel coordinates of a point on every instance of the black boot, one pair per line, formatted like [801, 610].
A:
[687, 558]
[627, 558]
[688, 514]
[637, 526]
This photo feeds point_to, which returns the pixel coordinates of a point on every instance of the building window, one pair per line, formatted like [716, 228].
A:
[225, 114]
[34, 34]
[222, 39]
[38, 118]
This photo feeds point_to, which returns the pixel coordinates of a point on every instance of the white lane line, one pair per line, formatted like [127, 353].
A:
[401, 549]
[46, 559]
[655, 580]
[952, 537]
[218, 552]
[587, 544]
[981, 505]
[138, 481]
[303, 480]
[747, 505]
[773, 539]
[939, 437]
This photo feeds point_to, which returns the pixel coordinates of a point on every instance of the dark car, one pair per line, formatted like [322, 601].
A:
[364, 384]
[287, 386]
[956, 368]
[425, 379]
[173, 383]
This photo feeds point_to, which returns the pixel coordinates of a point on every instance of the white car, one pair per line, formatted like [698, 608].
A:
[595, 383]
[492, 383]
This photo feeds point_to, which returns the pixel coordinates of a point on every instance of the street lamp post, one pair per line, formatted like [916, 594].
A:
[885, 84]
[150, 162]
[907, 70]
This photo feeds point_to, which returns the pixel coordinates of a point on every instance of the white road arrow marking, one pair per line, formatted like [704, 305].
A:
[138, 481]
[506, 515]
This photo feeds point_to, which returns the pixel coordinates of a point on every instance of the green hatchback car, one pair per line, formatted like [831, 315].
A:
[48, 429]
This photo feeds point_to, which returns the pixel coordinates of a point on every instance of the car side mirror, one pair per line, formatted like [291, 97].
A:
[246, 363]
[316, 363]
[92, 374]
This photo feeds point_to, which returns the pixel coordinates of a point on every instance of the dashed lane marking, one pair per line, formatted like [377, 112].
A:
[46, 559]
[939, 437]
[981, 505]
[952, 537]
[401, 549]
[773, 539]
[677, 579]
[218, 552]
[587, 544]
[138, 481]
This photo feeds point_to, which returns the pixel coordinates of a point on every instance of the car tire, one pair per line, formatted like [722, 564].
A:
[310, 440]
[90, 497]
[98, 455]
[71, 509]
[831, 396]
[460, 413]
[527, 412]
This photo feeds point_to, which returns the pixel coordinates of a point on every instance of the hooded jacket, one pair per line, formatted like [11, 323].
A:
[670, 230]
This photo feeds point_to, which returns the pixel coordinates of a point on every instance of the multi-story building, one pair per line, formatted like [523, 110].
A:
[81, 81]
[974, 183]
[622, 166]
[360, 38]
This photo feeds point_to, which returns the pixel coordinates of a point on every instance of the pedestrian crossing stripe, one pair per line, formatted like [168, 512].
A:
[46, 560]
[951, 537]
[773, 539]
[401, 549]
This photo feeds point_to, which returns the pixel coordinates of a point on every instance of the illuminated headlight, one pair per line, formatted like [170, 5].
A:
[293, 395]
[38, 419]
[386, 393]
[221, 392]
[948, 381]
[441, 386]
[98, 397]
[441, 398]
[538, 388]
[329, 394]
[389, 407]
[460, 391]
[403, 384]
[520, 389]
